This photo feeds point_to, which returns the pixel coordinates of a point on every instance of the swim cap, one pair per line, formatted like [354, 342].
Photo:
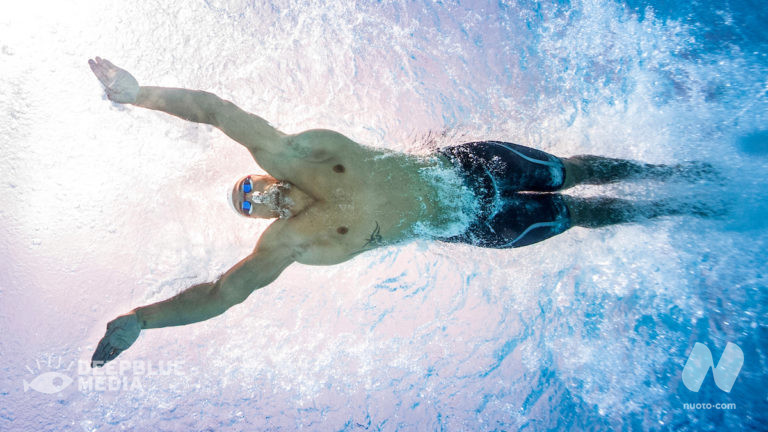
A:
[232, 202]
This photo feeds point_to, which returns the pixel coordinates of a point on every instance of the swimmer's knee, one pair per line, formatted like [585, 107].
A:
[573, 172]
[576, 210]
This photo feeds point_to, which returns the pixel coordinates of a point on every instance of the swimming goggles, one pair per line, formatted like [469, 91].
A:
[247, 207]
[257, 198]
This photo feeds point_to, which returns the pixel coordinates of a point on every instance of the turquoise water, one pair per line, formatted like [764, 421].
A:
[104, 208]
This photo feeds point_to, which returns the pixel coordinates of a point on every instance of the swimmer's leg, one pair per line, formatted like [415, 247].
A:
[589, 169]
[603, 211]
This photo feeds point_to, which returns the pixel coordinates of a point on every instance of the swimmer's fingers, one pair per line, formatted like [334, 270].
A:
[108, 63]
[104, 352]
[98, 71]
[119, 84]
[121, 333]
[105, 75]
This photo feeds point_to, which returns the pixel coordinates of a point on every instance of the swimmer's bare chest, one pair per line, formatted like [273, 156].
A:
[331, 239]
[362, 200]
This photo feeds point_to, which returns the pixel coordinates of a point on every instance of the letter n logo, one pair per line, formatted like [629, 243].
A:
[700, 361]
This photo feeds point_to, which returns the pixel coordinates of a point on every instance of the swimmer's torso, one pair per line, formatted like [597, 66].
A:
[363, 197]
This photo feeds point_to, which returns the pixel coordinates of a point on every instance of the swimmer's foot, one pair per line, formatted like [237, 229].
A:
[712, 210]
[691, 171]
[697, 207]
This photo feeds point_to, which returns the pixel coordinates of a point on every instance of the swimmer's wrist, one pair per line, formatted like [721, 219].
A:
[140, 317]
[141, 97]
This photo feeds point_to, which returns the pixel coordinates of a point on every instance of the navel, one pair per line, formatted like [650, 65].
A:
[342, 230]
[338, 168]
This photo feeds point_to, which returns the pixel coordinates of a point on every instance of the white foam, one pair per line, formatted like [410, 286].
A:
[468, 336]
[458, 202]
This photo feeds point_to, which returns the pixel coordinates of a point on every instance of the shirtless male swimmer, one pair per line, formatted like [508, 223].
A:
[333, 198]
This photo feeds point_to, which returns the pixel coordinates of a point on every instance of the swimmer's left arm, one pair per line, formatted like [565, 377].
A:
[198, 106]
[248, 129]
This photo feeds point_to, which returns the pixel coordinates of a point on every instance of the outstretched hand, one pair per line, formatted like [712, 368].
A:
[121, 86]
[122, 332]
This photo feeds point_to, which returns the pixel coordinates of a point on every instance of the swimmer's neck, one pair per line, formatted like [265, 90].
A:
[295, 201]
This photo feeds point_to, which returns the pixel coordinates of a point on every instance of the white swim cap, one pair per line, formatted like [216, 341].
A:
[231, 201]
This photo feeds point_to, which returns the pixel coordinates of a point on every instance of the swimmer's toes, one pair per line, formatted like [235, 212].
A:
[710, 210]
[700, 171]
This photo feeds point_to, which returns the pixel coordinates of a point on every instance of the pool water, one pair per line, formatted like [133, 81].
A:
[104, 208]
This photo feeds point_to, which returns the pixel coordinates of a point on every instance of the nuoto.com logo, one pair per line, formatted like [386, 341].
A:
[700, 362]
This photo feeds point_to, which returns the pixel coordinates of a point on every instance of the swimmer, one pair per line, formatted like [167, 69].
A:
[333, 199]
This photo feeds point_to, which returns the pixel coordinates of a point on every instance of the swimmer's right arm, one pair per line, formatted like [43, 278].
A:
[272, 255]
[197, 303]
[205, 301]
[197, 106]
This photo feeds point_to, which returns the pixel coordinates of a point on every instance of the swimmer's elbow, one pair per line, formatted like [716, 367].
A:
[231, 291]
[246, 128]
[219, 111]
[230, 295]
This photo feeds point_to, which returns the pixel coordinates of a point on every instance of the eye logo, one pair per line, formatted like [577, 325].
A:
[49, 383]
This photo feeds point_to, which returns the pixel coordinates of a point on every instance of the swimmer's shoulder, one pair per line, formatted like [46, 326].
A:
[318, 145]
